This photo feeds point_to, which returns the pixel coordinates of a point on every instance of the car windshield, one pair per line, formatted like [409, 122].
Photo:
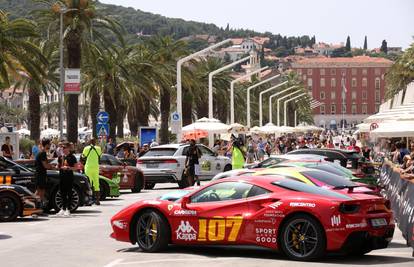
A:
[328, 168]
[159, 152]
[305, 188]
[328, 178]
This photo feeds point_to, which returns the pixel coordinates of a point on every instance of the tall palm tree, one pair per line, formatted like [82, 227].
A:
[18, 55]
[81, 24]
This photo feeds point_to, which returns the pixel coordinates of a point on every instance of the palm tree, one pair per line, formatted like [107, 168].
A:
[81, 23]
[19, 57]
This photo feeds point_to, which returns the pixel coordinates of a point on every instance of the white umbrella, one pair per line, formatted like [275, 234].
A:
[394, 129]
[286, 129]
[209, 125]
[237, 128]
[23, 131]
[49, 132]
[255, 129]
[269, 128]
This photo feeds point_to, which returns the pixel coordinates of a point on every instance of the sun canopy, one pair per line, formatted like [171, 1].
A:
[210, 125]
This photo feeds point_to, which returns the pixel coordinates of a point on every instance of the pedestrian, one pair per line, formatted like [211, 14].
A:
[36, 149]
[268, 148]
[7, 149]
[144, 149]
[67, 164]
[237, 154]
[261, 149]
[192, 163]
[91, 155]
[110, 146]
[216, 147]
[42, 165]
[250, 151]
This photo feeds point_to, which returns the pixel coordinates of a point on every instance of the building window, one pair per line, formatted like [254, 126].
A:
[333, 82]
[333, 71]
[310, 82]
[377, 96]
[304, 77]
[354, 82]
[364, 109]
[364, 71]
[300, 72]
[343, 108]
[377, 83]
[354, 71]
[353, 95]
[322, 95]
[309, 71]
[322, 109]
[343, 71]
[353, 109]
[364, 82]
[333, 109]
[333, 95]
[377, 71]
[322, 72]
[322, 82]
[364, 94]
[377, 108]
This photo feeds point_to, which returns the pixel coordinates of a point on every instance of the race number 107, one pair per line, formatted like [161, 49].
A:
[215, 229]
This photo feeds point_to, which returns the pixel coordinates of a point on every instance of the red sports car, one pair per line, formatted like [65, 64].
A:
[301, 220]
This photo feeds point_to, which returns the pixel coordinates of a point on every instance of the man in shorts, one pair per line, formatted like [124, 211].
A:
[42, 165]
[91, 155]
[192, 164]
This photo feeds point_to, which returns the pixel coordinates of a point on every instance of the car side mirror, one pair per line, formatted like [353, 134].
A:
[16, 169]
[184, 201]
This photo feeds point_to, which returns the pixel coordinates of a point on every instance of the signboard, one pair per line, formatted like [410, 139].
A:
[147, 134]
[102, 117]
[14, 141]
[175, 122]
[102, 129]
[72, 81]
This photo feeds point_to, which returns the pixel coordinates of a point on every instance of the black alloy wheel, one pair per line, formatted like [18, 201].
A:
[152, 232]
[10, 207]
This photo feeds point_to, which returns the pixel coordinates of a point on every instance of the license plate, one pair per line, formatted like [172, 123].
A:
[378, 222]
[152, 165]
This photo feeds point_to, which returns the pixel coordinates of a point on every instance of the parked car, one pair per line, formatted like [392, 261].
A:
[344, 157]
[81, 192]
[166, 164]
[302, 221]
[276, 159]
[15, 200]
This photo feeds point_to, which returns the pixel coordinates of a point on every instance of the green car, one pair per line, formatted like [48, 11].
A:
[109, 188]
[331, 168]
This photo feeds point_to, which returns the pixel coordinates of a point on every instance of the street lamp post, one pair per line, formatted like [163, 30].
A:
[278, 101]
[232, 90]
[285, 106]
[180, 62]
[210, 83]
[261, 100]
[270, 103]
[62, 70]
[248, 95]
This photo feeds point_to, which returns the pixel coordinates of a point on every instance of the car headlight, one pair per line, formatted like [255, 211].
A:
[120, 224]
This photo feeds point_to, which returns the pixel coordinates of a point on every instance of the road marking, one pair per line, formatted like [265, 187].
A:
[114, 263]
[175, 260]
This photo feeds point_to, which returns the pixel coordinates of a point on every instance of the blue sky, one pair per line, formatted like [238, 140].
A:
[330, 20]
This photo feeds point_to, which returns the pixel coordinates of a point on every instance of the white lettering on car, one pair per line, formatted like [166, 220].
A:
[302, 204]
[336, 220]
[185, 212]
[186, 231]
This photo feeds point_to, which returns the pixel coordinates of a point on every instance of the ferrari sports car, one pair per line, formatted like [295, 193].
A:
[302, 221]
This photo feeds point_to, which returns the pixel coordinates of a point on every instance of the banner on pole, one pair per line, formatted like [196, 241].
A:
[72, 81]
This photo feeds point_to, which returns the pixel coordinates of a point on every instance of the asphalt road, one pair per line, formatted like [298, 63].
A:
[83, 240]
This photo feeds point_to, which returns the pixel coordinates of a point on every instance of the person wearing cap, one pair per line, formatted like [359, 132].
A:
[91, 155]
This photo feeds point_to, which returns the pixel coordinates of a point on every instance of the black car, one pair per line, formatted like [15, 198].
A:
[16, 200]
[81, 192]
[343, 156]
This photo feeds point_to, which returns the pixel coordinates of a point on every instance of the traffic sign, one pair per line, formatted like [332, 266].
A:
[102, 129]
[175, 116]
[102, 117]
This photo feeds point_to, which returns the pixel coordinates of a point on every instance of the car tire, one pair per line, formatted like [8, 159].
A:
[149, 185]
[138, 184]
[10, 207]
[299, 245]
[227, 168]
[104, 190]
[159, 231]
[57, 202]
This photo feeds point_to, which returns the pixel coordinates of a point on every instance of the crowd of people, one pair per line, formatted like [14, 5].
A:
[403, 156]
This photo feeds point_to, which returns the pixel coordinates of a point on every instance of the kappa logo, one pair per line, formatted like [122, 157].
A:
[186, 232]
[336, 220]
[275, 205]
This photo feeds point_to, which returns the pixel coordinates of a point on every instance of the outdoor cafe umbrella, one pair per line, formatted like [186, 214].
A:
[212, 126]
[195, 134]
[237, 128]
[49, 133]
